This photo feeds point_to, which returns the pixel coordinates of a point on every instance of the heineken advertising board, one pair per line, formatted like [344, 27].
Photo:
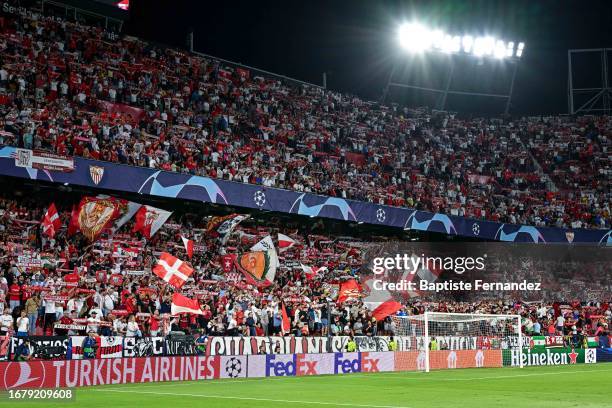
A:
[556, 356]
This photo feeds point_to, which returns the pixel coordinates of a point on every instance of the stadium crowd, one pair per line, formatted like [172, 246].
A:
[68, 285]
[76, 90]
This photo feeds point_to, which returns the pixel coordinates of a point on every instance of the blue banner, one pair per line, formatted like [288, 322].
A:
[111, 176]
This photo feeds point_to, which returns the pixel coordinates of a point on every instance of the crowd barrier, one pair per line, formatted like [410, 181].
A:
[104, 371]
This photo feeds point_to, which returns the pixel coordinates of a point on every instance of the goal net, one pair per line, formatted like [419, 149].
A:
[458, 340]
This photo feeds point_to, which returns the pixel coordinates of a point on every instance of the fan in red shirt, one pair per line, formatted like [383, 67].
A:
[14, 295]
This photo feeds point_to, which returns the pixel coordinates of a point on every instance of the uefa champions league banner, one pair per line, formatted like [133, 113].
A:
[111, 176]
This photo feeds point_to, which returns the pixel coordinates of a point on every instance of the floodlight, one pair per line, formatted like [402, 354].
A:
[414, 37]
[468, 42]
[479, 47]
[510, 49]
[500, 49]
[519, 50]
[437, 38]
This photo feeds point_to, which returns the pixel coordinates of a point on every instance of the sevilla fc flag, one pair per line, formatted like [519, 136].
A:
[51, 221]
[188, 243]
[172, 270]
[182, 304]
[284, 242]
[349, 290]
[94, 215]
[149, 220]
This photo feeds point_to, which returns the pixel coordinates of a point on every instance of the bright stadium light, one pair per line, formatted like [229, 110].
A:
[519, 50]
[500, 49]
[414, 37]
[467, 42]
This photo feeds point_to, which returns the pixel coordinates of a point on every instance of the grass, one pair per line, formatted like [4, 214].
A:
[582, 386]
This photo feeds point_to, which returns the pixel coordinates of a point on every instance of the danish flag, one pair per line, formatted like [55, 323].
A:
[188, 243]
[172, 270]
[51, 221]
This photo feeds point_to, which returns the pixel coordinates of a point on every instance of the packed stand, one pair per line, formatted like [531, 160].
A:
[77, 91]
[67, 285]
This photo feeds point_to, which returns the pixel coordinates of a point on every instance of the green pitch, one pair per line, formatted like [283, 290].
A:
[581, 386]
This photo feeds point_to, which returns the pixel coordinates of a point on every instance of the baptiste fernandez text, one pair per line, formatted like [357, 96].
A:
[451, 285]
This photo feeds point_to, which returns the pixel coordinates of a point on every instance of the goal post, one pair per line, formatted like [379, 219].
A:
[462, 340]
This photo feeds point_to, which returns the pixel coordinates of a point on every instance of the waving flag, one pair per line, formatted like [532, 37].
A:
[188, 243]
[172, 270]
[258, 267]
[349, 290]
[286, 327]
[285, 242]
[222, 227]
[51, 221]
[149, 220]
[380, 302]
[263, 245]
[95, 214]
[311, 272]
[182, 304]
[128, 212]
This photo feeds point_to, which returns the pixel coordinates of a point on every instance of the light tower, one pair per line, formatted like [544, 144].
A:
[422, 43]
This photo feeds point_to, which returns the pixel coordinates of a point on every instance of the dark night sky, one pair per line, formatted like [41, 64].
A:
[354, 40]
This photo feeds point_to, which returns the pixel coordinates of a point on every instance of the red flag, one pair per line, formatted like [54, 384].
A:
[73, 225]
[94, 215]
[172, 270]
[311, 272]
[349, 290]
[380, 302]
[227, 262]
[188, 243]
[182, 304]
[51, 221]
[286, 326]
[385, 309]
[149, 220]
[285, 242]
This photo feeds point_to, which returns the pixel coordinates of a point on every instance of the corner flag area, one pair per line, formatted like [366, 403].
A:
[534, 387]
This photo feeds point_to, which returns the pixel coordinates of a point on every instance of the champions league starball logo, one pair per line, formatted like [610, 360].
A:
[476, 229]
[381, 215]
[233, 367]
[259, 198]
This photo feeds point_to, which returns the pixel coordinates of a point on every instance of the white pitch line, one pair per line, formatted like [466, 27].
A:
[414, 375]
[338, 404]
